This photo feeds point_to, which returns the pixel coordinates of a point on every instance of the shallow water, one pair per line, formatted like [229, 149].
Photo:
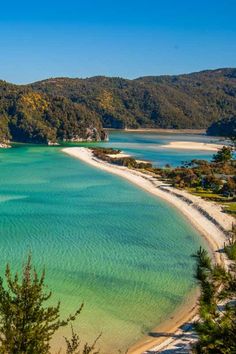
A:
[149, 146]
[103, 241]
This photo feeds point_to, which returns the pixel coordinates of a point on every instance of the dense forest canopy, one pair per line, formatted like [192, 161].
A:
[73, 109]
[225, 127]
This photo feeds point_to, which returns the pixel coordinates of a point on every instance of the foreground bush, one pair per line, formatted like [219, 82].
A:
[217, 311]
[26, 323]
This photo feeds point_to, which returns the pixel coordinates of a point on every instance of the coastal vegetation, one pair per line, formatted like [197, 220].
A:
[28, 116]
[216, 327]
[225, 127]
[230, 248]
[214, 180]
[217, 176]
[112, 156]
[78, 109]
[27, 324]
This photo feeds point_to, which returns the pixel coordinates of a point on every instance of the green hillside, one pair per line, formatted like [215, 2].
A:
[185, 101]
[74, 109]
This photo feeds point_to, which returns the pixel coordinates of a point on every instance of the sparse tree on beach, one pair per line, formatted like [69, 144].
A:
[27, 325]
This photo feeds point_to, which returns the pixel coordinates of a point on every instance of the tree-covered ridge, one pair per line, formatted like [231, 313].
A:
[31, 116]
[184, 101]
[225, 127]
[76, 109]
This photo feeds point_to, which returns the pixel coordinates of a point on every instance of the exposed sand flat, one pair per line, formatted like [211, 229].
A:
[4, 146]
[191, 145]
[121, 155]
[118, 156]
[141, 161]
[206, 216]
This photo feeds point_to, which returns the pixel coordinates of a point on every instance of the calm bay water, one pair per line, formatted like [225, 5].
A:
[149, 146]
[103, 241]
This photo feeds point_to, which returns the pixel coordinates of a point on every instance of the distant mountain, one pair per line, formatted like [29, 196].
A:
[64, 108]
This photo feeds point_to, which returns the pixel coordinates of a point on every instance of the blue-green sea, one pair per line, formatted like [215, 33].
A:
[124, 253]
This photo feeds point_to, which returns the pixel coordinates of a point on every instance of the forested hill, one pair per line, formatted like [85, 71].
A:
[74, 109]
[30, 116]
[184, 101]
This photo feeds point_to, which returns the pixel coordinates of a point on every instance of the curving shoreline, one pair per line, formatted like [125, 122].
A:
[205, 216]
[190, 145]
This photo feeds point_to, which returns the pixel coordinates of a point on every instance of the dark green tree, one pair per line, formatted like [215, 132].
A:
[226, 128]
[230, 248]
[223, 155]
[217, 309]
[26, 323]
[73, 345]
[4, 129]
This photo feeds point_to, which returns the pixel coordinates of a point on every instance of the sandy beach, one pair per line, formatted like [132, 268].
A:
[122, 154]
[205, 216]
[119, 155]
[190, 145]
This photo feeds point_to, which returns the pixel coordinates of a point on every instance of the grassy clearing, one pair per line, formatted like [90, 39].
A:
[229, 205]
[207, 194]
[230, 208]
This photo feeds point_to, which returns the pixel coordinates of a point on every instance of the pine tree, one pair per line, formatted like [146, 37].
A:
[73, 345]
[223, 155]
[217, 309]
[26, 323]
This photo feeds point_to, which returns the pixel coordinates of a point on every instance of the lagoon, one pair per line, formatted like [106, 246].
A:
[150, 146]
[103, 241]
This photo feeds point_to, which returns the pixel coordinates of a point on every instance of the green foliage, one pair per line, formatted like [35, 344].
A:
[225, 127]
[184, 101]
[73, 345]
[130, 162]
[223, 155]
[26, 323]
[63, 108]
[29, 116]
[229, 187]
[4, 129]
[214, 180]
[230, 208]
[105, 151]
[217, 325]
[230, 248]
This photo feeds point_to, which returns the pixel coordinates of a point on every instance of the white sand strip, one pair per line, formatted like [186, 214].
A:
[118, 156]
[190, 145]
[206, 216]
[122, 154]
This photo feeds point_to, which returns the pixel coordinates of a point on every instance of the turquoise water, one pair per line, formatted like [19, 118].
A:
[148, 146]
[103, 241]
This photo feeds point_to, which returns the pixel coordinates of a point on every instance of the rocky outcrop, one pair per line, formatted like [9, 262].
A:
[90, 134]
[52, 143]
[5, 145]
[104, 135]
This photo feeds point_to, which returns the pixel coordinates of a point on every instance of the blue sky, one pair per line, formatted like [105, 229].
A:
[41, 39]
